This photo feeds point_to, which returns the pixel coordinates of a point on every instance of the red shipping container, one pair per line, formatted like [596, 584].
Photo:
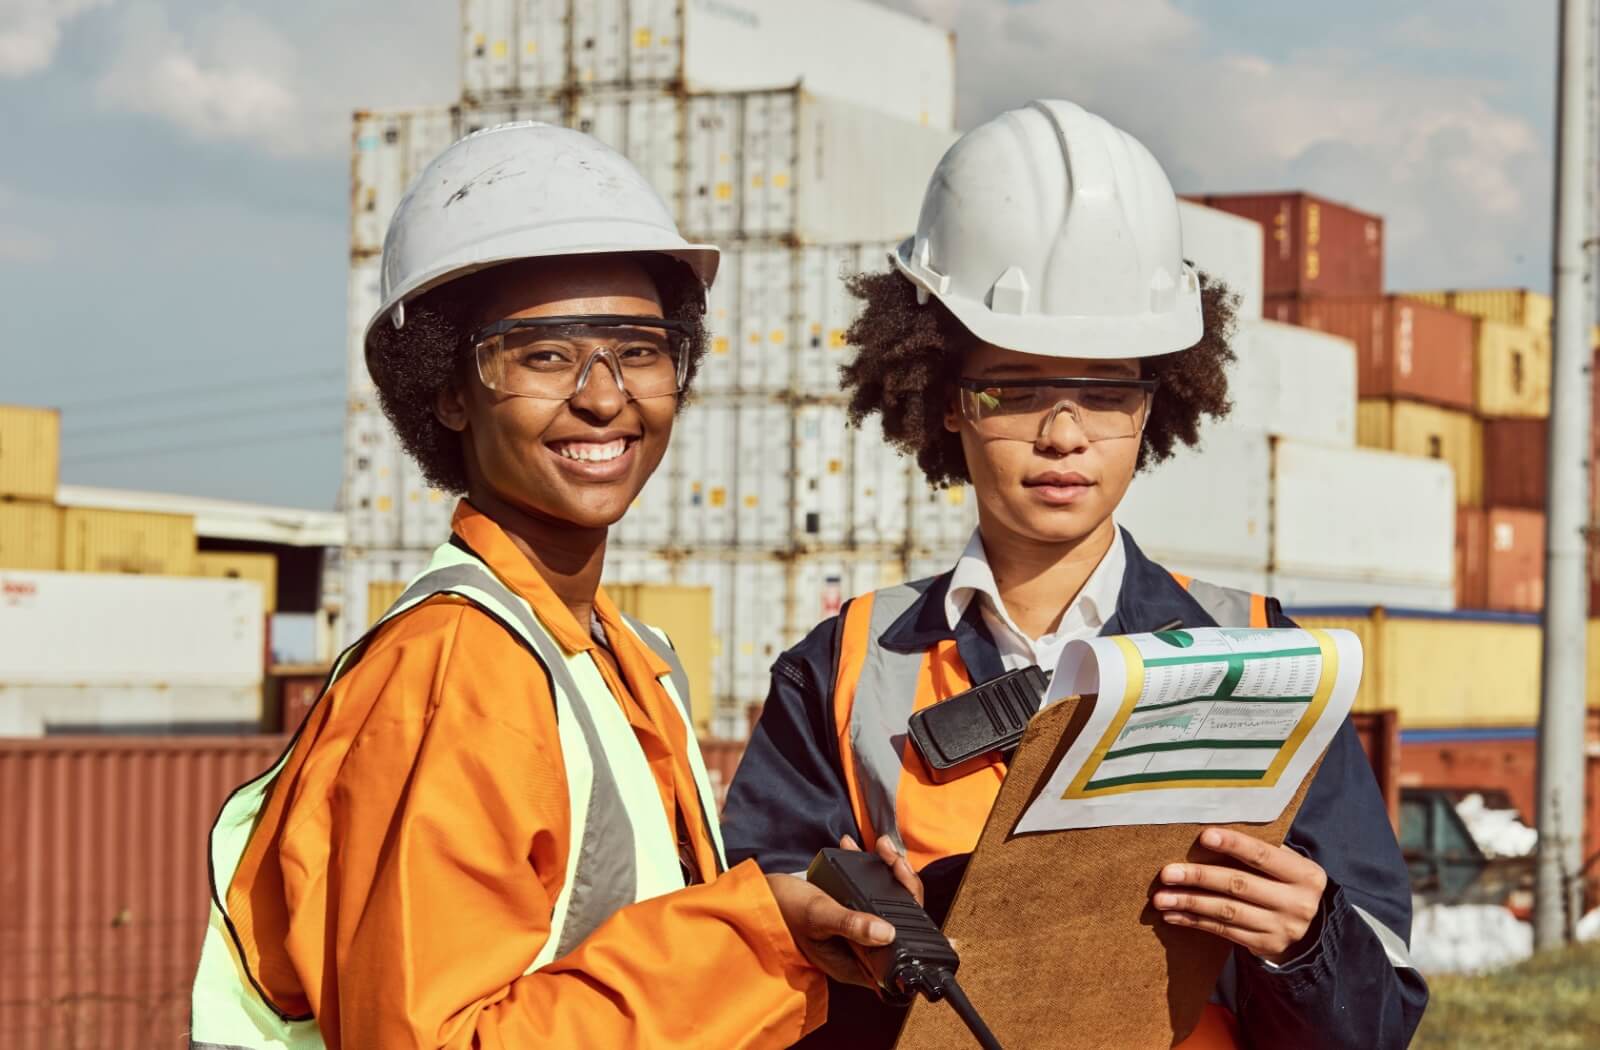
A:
[1474, 760]
[1500, 559]
[1313, 246]
[1514, 456]
[105, 883]
[1404, 348]
[722, 759]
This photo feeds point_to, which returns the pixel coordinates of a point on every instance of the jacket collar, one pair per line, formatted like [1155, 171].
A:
[1150, 598]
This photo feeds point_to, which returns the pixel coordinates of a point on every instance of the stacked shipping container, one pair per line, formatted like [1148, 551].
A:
[101, 624]
[804, 162]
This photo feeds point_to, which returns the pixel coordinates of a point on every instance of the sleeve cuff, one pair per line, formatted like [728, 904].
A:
[1316, 946]
[803, 976]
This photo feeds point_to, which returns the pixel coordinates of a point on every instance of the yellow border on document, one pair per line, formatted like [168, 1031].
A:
[1135, 665]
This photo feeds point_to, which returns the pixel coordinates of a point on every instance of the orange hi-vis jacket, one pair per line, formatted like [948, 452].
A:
[404, 868]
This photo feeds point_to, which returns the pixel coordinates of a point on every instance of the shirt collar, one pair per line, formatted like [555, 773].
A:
[973, 577]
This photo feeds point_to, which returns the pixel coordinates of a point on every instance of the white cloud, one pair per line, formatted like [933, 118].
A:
[30, 32]
[1463, 182]
[230, 79]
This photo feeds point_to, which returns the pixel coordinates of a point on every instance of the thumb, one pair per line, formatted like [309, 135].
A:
[826, 917]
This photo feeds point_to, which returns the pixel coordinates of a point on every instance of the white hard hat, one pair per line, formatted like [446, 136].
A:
[523, 191]
[1049, 231]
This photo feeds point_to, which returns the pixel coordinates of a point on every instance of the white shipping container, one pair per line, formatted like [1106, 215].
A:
[820, 583]
[1310, 591]
[703, 478]
[847, 48]
[364, 299]
[1210, 505]
[372, 478]
[881, 487]
[822, 488]
[1228, 247]
[1294, 382]
[770, 164]
[97, 629]
[763, 461]
[941, 520]
[34, 710]
[650, 521]
[546, 109]
[389, 149]
[625, 565]
[425, 512]
[358, 570]
[1362, 515]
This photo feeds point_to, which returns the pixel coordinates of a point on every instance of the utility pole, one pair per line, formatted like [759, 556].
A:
[1562, 707]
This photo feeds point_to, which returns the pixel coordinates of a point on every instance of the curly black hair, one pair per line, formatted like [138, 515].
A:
[413, 364]
[908, 357]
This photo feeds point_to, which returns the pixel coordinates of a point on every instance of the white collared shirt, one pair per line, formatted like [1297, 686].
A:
[1089, 611]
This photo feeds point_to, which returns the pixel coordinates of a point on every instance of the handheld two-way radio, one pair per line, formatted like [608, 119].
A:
[919, 961]
[964, 731]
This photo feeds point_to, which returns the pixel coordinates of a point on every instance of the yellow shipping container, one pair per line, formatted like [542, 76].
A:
[237, 565]
[1512, 371]
[30, 452]
[1594, 668]
[684, 613]
[1415, 429]
[1517, 306]
[380, 595]
[30, 535]
[1446, 671]
[95, 540]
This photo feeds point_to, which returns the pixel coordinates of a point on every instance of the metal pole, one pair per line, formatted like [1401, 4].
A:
[1562, 708]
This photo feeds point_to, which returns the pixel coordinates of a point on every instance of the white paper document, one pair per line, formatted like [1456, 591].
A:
[1216, 725]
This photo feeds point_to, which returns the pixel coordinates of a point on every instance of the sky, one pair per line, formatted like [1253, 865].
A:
[174, 179]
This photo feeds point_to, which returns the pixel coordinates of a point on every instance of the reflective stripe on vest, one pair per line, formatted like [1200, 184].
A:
[627, 848]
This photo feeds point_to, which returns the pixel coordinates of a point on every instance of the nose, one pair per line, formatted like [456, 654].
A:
[1062, 430]
[600, 395]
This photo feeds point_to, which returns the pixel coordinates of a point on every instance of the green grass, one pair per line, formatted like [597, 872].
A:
[1551, 1002]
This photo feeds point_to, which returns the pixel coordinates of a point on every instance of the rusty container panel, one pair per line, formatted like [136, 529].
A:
[1514, 457]
[1427, 432]
[1511, 371]
[291, 691]
[1472, 575]
[125, 541]
[1379, 732]
[722, 759]
[1474, 760]
[105, 883]
[1515, 560]
[30, 452]
[1313, 246]
[1404, 347]
[30, 535]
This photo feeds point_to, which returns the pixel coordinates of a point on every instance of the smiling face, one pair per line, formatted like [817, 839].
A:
[1059, 487]
[582, 461]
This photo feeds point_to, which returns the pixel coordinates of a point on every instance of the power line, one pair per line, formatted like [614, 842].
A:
[176, 421]
[207, 446]
[245, 385]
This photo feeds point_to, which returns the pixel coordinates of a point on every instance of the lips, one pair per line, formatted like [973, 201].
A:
[1057, 479]
[595, 458]
[1058, 488]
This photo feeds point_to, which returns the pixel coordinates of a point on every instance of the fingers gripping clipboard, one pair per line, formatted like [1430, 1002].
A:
[1059, 943]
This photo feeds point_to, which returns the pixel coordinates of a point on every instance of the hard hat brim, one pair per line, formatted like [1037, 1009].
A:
[1109, 337]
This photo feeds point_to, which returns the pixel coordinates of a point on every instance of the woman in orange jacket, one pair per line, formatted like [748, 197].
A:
[495, 828]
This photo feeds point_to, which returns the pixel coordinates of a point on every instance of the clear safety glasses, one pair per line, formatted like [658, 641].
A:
[551, 357]
[1021, 409]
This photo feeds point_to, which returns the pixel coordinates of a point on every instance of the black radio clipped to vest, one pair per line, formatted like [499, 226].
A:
[958, 734]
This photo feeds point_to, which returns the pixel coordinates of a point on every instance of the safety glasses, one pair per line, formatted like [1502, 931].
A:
[1021, 409]
[551, 357]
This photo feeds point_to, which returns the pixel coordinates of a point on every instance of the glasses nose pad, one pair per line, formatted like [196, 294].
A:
[1043, 437]
[612, 365]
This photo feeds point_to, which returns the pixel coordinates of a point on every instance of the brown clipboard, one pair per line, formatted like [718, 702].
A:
[1060, 947]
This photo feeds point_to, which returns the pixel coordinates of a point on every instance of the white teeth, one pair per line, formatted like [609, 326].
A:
[591, 453]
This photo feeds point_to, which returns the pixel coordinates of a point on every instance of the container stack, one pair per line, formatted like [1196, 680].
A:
[104, 624]
[1278, 498]
[802, 153]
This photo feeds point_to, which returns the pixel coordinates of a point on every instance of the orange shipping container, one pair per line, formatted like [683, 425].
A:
[1500, 559]
[105, 883]
[1404, 348]
[1514, 458]
[1313, 246]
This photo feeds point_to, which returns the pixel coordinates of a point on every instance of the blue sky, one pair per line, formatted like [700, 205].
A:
[173, 192]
